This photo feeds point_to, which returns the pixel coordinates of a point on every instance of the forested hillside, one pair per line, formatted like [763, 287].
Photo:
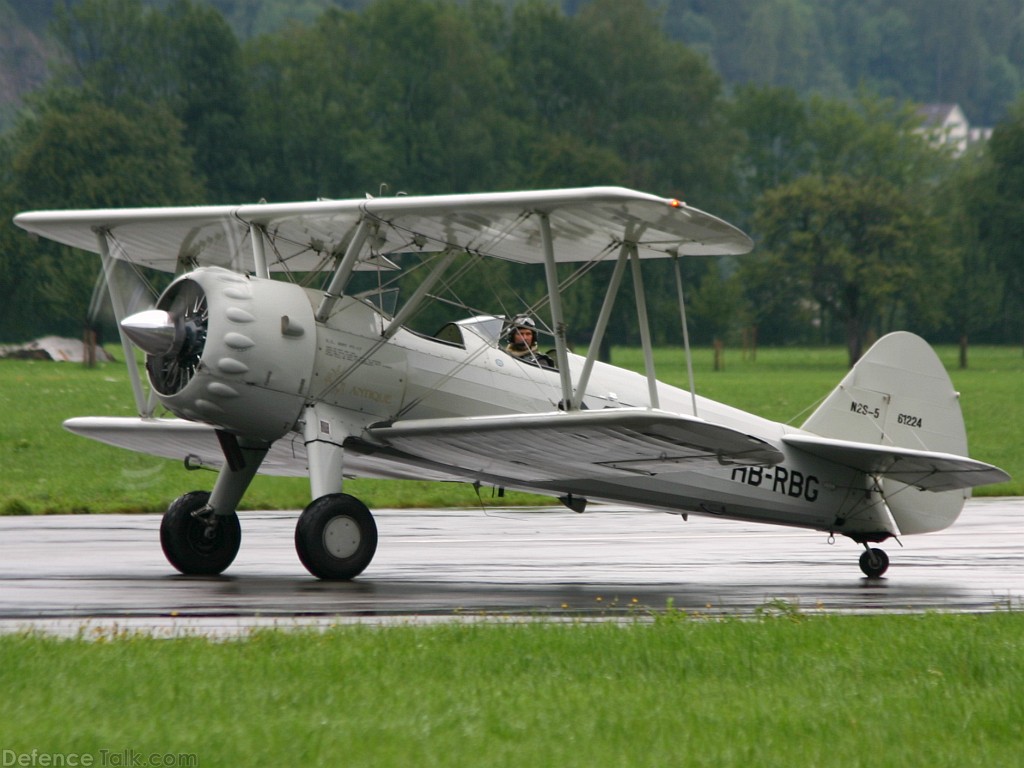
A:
[971, 53]
[862, 225]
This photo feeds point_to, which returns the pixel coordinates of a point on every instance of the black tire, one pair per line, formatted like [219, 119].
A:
[336, 537]
[186, 544]
[874, 562]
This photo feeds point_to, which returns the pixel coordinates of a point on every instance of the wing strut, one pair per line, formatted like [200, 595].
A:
[602, 324]
[259, 255]
[344, 270]
[686, 333]
[421, 291]
[117, 302]
[645, 328]
[557, 320]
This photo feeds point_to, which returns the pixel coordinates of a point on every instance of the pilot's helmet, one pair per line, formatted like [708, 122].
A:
[524, 323]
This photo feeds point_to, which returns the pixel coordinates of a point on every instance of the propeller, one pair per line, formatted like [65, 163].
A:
[173, 335]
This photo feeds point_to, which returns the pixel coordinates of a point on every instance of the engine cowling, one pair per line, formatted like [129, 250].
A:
[230, 350]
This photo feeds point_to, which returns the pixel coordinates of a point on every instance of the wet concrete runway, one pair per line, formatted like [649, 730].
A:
[65, 573]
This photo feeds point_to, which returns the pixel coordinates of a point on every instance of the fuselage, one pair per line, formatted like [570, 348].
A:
[465, 371]
[266, 359]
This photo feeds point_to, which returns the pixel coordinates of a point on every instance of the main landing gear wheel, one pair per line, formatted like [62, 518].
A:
[336, 537]
[874, 562]
[198, 544]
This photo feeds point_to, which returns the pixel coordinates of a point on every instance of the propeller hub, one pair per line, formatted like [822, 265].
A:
[152, 330]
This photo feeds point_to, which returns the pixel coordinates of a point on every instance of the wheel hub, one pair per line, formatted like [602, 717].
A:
[342, 537]
[206, 516]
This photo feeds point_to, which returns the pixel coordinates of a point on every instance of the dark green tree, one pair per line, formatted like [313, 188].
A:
[206, 91]
[858, 248]
[999, 212]
[80, 155]
[776, 146]
[873, 138]
[433, 95]
[123, 53]
[658, 105]
[976, 302]
[309, 131]
[110, 47]
[871, 143]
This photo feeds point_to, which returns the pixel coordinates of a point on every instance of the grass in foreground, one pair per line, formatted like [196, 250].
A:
[47, 470]
[789, 691]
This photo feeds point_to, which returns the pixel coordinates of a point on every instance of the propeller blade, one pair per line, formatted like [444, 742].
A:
[128, 283]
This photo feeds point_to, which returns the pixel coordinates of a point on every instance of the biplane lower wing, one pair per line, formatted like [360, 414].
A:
[197, 445]
[928, 470]
[584, 444]
[523, 447]
[181, 440]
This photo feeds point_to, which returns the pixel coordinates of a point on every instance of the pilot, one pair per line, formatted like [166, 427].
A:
[522, 343]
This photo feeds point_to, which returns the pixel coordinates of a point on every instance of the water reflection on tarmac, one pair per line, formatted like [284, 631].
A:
[67, 573]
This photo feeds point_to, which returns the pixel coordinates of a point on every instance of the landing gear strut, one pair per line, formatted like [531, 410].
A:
[874, 562]
[195, 540]
[336, 537]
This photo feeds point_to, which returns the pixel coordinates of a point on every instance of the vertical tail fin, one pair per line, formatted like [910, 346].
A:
[899, 394]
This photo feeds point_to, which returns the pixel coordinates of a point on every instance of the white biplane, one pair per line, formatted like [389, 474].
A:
[270, 376]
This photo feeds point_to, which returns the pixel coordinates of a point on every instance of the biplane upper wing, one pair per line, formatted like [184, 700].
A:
[548, 447]
[586, 224]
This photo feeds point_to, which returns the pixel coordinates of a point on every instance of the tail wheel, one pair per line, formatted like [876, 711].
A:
[336, 537]
[874, 562]
[195, 543]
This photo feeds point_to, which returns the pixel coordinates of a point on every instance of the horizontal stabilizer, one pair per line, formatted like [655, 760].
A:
[929, 470]
[557, 445]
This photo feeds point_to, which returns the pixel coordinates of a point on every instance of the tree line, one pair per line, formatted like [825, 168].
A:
[919, 50]
[861, 224]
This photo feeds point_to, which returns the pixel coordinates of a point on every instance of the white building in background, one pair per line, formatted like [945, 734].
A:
[947, 125]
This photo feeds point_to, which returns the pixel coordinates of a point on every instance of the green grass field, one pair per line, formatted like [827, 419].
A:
[46, 470]
[789, 690]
